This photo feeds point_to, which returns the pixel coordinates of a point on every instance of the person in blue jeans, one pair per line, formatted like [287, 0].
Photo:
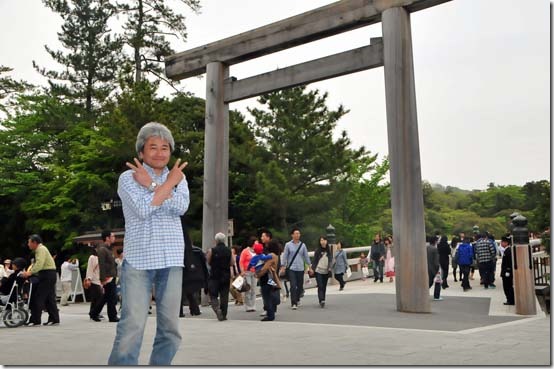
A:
[294, 257]
[153, 198]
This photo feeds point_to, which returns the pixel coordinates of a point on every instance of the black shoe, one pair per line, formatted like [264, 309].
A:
[95, 318]
[509, 303]
[266, 319]
[322, 304]
[114, 320]
[181, 315]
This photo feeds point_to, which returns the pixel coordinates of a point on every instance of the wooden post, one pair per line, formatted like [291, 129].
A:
[216, 156]
[524, 284]
[412, 288]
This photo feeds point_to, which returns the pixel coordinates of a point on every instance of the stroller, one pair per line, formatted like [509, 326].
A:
[14, 309]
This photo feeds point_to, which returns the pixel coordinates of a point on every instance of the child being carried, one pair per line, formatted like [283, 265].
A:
[258, 261]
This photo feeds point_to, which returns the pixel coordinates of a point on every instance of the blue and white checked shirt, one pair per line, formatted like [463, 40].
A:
[153, 234]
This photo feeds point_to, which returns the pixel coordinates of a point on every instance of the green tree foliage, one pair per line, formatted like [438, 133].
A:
[10, 89]
[359, 199]
[301, 157]
[48, 173]
[147, 24]
[91, 57]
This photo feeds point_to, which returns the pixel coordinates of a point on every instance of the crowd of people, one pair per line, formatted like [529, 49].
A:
[160, 262]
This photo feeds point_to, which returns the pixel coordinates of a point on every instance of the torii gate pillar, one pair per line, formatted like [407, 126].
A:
[216, 155]
[408, 223]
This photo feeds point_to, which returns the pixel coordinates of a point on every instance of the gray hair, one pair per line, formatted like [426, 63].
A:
[154, 129]
[220, 238]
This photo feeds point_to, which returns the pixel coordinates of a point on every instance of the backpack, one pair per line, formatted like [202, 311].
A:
[465, 254]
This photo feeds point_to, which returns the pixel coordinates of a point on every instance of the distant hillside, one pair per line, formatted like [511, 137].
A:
[449, 189]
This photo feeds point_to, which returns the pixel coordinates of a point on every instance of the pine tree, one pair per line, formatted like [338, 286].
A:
[93, 56]
[147, 24]
[302, 155]
[9, 89]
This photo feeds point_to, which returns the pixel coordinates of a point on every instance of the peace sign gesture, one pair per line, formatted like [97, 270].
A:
[176, 174]
[139, 173]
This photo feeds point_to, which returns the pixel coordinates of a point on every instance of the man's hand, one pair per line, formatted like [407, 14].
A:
[139, 173]
[176, 175]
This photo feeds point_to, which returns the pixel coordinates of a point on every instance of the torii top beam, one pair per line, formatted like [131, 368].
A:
[329, 20]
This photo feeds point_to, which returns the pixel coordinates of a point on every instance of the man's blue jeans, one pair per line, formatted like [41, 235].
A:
[136, 289]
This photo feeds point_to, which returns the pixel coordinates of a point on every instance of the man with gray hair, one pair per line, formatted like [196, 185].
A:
[220, 260]
[153, 199]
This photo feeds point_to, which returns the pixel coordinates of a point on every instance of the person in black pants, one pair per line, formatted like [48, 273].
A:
[377, 255]
[43, 293]
[444, 259]
[506, 272]
[108, 274]
[220, 261]
[195, 275]
[322, 265]
[270, 293]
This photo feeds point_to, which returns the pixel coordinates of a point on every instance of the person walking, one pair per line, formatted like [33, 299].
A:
[485, 253]
[66, 277]
[92, 280]
[444, 259]
[433, 267]
[464, 256]
[248, 275]
[220, 262]
[195, 275]
[270, 292]
[322, 266]
[44, 292]
[377, 255]
[294, 257]
[108, 275]
[340, 264]
[235, 272]
[389, 260]
[153, 199]
[453, 249]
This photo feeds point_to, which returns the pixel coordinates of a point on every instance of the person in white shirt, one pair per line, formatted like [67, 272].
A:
[67, 268]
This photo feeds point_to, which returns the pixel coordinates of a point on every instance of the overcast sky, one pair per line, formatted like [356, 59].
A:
[482, 72]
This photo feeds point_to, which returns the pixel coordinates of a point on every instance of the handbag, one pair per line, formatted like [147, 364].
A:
[238, 282]
[245, 287]
[86, 283]
[348, 272]
[296, 253]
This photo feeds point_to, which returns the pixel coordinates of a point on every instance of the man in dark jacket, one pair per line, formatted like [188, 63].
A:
[433, 266]
[195, 276]
[108, 274]
[220, 261]
[377, 255]
[506, 271]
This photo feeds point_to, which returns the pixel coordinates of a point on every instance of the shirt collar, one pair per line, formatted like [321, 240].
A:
[150, 170]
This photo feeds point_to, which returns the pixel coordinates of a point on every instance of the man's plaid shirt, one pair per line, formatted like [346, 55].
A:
[484, 250]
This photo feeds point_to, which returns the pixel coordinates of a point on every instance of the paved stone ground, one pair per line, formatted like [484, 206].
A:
[359, 326]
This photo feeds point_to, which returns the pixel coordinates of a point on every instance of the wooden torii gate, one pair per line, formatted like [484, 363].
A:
[393, 51]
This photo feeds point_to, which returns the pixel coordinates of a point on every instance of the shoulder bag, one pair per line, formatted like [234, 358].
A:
[292, 260]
